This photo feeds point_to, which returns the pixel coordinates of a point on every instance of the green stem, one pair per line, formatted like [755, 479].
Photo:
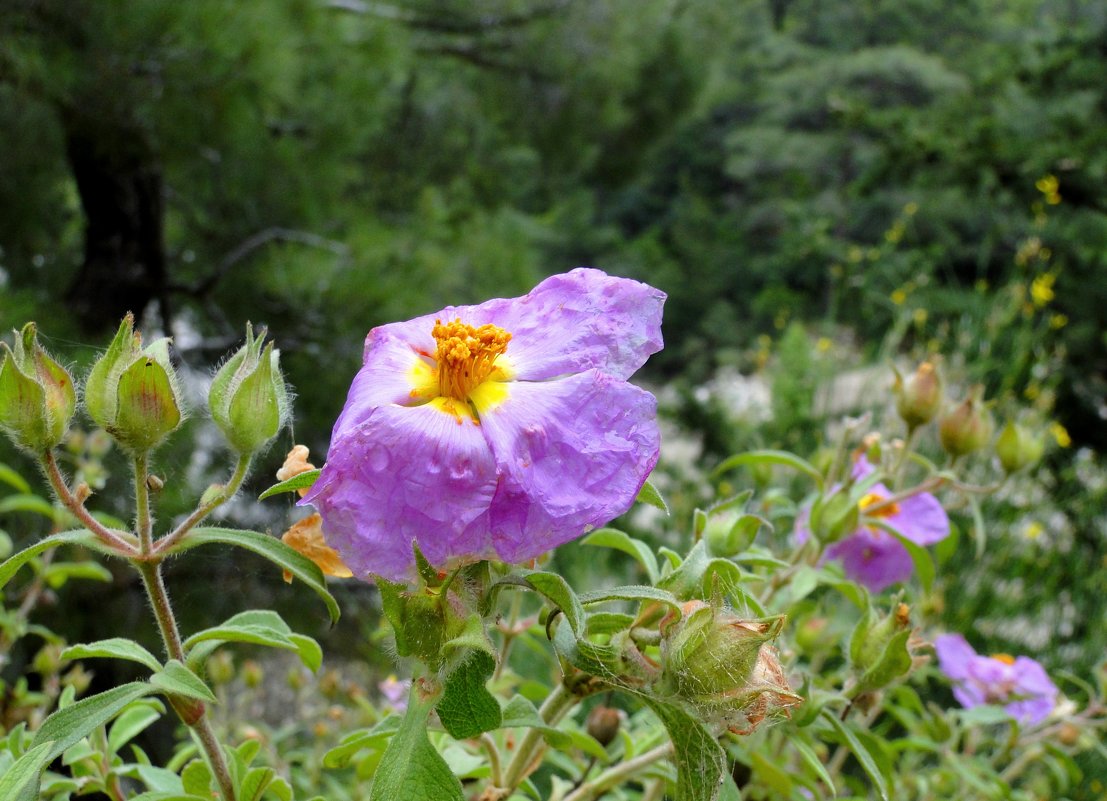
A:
[901, 460]
[144, 522]
[166, 543]
[61, 491]
[553, 709]
[614, 776]
[493, 759]
[171, 638]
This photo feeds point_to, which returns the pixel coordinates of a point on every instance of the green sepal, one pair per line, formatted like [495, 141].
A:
[147, 408]
[22, 405]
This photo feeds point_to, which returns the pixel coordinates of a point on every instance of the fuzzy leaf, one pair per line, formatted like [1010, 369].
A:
[466, 708]
[113, 648]
[411, 769]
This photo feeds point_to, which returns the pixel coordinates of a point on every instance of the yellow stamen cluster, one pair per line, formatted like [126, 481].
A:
[1006, 659]
[466, 355]
[876, 499]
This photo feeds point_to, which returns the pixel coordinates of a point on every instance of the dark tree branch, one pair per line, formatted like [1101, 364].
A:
[457, 25]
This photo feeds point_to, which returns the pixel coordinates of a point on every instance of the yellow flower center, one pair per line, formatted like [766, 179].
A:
[1006, 659]
[466, 356]
[875, 499]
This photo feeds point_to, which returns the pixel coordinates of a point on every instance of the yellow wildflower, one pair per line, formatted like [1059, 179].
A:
[1060, 434]
[1041, 289]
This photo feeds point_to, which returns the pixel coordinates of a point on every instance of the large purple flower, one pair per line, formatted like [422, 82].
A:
[494, 431]
[1019, 683]
[873, 557]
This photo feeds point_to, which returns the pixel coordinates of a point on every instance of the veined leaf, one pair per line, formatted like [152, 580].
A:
[466, 708]
[176, 679]
[633, 592]
[81, 537]
[113, 648]
[868, 764]
[700, 760]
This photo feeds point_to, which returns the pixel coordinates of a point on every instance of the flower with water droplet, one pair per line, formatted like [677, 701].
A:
[494, 431]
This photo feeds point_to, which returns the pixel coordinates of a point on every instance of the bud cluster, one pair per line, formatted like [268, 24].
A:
[134, 394]
[966, 426]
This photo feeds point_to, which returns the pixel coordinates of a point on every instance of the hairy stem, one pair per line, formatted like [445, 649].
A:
[493, 758]
[69, 500]
[171, 638]
[616, 775]
[228, 491]
[144, 522]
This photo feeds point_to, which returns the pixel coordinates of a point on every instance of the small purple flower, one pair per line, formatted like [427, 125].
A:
[494, 431]
[1019, 683]
[873, 557]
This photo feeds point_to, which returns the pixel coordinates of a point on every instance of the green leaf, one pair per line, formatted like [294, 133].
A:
[920, 557]
[81, 537]
[411, 769]
[272, 549]
[558, 592]
[894, 662]
[770, 457]
[69, 725]
[29, 503]
[466, 708]
[777, 779]
[132, 722]
[113, 648]
[633, 592]
[520, 713]
[56, 574]
[177, 679]
[868, 764]
[297, 482]
[811, 759]
[25, 771]
[649, 494]
[700, 760]
[357, 741]
[13, 479]
[621, 541]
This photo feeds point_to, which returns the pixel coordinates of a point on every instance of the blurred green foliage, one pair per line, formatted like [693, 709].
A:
[326, 166]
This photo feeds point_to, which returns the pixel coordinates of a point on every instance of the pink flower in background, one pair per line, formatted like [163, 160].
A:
[873, 557]
[1019, 683]
[494, 431]
[395, 692]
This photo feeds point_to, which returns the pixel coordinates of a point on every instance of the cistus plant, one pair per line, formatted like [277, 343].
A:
[780, 644]
[133, 393]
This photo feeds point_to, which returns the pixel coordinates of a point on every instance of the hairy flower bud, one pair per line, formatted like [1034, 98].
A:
[731, 531]
[132, 392]
[248, 398]
[834, 517]
[919, 396]
[37, 398]
[724, 666]
[1017, 448]
[968, 427]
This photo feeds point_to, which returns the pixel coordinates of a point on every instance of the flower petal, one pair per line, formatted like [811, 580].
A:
[573, 453]
[954, 655]
[393, 358]
[581, 320]
[406, 474]
[873, 558]
[921, 519]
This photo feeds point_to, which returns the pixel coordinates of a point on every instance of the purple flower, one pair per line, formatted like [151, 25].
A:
[1019, 683]
[873, 557]
[494, 431]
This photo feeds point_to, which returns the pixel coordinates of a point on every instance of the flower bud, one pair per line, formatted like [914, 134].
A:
[724, 666]
[731, 531]
[879, 649]
[248, 398]
[132, 391]
[603, 724]
[1018, 448]
[834, 517]
[37, 398]
[968, 427]
[919, 397]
